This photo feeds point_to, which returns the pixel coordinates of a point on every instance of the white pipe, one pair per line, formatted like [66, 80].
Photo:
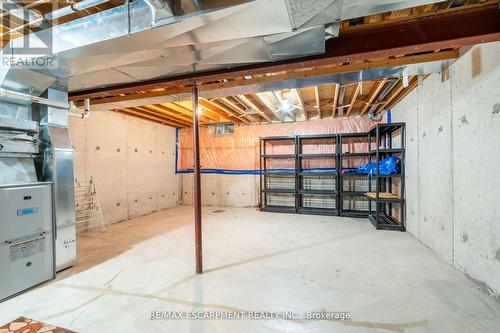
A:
[32, 99]
[85, 113]
[71, 107]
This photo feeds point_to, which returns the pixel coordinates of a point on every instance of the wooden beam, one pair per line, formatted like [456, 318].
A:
[212, 113]
[146, 116]
[235, 107]
[214, 117]
[252, 99]
[354, 97]
[156, 114]
[443, 30]
[412, 85]
[269, 106]
[335, 98]
[165, 112]
[395, 91]
[178, 108]
[251, 105]
[139, 116]
[301, 103]
[373, 94]
[321, 71]
[235, 113]
[342, 91]
[426, 34]
[316, 97]
[221, 110]
[184, 110]
[183, 114]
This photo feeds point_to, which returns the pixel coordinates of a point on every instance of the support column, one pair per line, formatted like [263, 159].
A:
[197, 181]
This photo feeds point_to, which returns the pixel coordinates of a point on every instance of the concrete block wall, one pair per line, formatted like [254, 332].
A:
[453, 164]
[131, 161]
[223, 190]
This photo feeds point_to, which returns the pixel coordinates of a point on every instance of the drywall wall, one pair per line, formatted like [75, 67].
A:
[223, 190]
[132, 162]
[453, 160]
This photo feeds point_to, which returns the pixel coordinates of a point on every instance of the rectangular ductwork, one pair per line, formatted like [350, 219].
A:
[150, 39]
[160, 9]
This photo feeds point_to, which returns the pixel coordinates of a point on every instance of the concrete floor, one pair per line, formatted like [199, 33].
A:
[255, 261]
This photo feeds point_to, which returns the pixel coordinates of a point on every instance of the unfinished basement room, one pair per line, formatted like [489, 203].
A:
[250, 166]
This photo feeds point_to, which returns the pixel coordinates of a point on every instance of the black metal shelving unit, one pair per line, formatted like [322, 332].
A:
[353, 186]
[389, 192]
[278, 185]
[317, 178]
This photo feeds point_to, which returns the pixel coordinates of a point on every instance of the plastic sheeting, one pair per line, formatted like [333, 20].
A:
[238, 153]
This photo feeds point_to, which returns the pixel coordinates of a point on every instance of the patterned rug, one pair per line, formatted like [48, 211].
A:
[25, 325]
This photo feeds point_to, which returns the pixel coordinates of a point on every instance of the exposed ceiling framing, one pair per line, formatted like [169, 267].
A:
[374, 45]
[12, 26]
[405, 40]
[416, 35]
[359, 97]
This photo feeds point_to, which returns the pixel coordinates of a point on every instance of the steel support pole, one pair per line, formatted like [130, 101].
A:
[197, 181]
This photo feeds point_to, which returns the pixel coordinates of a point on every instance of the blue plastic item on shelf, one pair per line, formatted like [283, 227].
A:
[366, 168]
[387, 166]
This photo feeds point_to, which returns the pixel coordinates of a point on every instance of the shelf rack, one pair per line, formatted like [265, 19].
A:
[354, 150]
[389, 212]
[317, 179]
[278, 174]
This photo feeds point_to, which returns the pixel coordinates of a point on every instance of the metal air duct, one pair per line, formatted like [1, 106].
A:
[160, 9]
[143, 40]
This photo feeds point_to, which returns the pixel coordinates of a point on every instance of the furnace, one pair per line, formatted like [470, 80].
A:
[37, 220]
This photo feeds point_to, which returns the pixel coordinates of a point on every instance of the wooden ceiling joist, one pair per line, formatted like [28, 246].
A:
[251, 105]
[222, 111]
[318, 103]
[160, 109]
[213, 116]
[139, 116]
[268, 105]
[419, 34]
[164, 117]
[321, 71]
[211, 112]
[355, 94]
[393, 94]
[362, 43]
[342, 91]
[336, 89]
[300, 99]
[147, 116]
[413, 83]
[236, 114]
[373, 95]
[176, 107]
[237, 109]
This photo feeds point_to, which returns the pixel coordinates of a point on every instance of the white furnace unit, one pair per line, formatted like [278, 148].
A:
[26, 237]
